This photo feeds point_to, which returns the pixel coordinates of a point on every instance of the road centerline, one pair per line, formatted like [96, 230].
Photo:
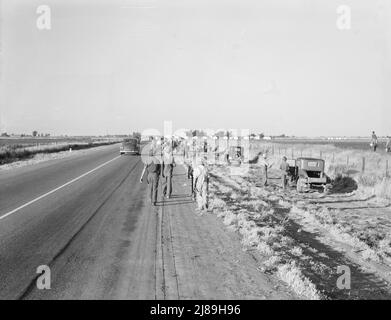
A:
[56, 189]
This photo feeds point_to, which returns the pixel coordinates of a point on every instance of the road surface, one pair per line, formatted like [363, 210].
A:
[87, 217]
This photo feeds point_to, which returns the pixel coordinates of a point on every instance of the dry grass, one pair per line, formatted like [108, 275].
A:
[16, 152]
[250, 213]
[292, 275]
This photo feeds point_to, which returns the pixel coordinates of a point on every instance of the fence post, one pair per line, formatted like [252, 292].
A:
[293, 154]
[363, 165]
[301, 152]
[387, 168]
[321, 154]
[347, 161]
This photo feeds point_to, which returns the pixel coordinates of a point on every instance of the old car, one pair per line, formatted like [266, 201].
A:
[307, 173]
[235, 155]
[130, 146]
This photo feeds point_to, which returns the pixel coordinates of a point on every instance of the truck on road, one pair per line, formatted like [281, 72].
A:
[130, 146]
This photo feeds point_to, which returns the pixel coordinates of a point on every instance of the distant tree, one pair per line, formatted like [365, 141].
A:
[4, 134]
[35, 133]
[261, 135]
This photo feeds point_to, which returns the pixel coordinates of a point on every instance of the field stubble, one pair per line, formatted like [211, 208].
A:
[17, 150]
[304, 238]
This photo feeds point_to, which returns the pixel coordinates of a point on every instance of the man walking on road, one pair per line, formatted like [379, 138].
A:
[153, 169]
[168, 167]
[201, 184]
[189, 167]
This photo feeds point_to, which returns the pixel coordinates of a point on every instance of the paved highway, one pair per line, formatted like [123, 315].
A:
[87, 217]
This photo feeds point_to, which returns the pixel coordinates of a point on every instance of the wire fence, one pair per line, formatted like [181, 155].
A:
[348, 161]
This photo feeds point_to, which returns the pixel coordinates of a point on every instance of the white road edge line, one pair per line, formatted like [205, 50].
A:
[56, 189]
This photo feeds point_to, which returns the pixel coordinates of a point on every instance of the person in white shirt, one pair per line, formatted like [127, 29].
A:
[201, 182]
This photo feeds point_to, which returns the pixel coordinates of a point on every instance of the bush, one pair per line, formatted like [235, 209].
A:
[343, 184]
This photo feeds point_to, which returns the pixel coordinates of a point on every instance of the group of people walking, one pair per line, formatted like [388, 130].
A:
[155, 167]
[162, 166]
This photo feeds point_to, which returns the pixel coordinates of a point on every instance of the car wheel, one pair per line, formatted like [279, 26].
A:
[301, 185]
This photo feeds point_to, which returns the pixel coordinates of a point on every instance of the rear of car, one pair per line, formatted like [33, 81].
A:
[311, 172]
[236, 154]
[130, 146]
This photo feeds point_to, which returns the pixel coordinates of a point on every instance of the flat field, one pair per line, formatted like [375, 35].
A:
[349, 143]
[19, 149]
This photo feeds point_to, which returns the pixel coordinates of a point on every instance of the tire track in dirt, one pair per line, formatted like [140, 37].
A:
[173, 254]
[205, 261]
[365, 285]
[167, 286]
[160, 282]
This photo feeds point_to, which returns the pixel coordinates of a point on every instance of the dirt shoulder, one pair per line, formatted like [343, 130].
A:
[201, 259]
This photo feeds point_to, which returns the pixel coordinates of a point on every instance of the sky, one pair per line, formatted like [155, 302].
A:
[272, 66]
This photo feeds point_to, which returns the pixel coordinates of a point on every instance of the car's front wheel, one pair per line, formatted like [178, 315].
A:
[301, 185]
